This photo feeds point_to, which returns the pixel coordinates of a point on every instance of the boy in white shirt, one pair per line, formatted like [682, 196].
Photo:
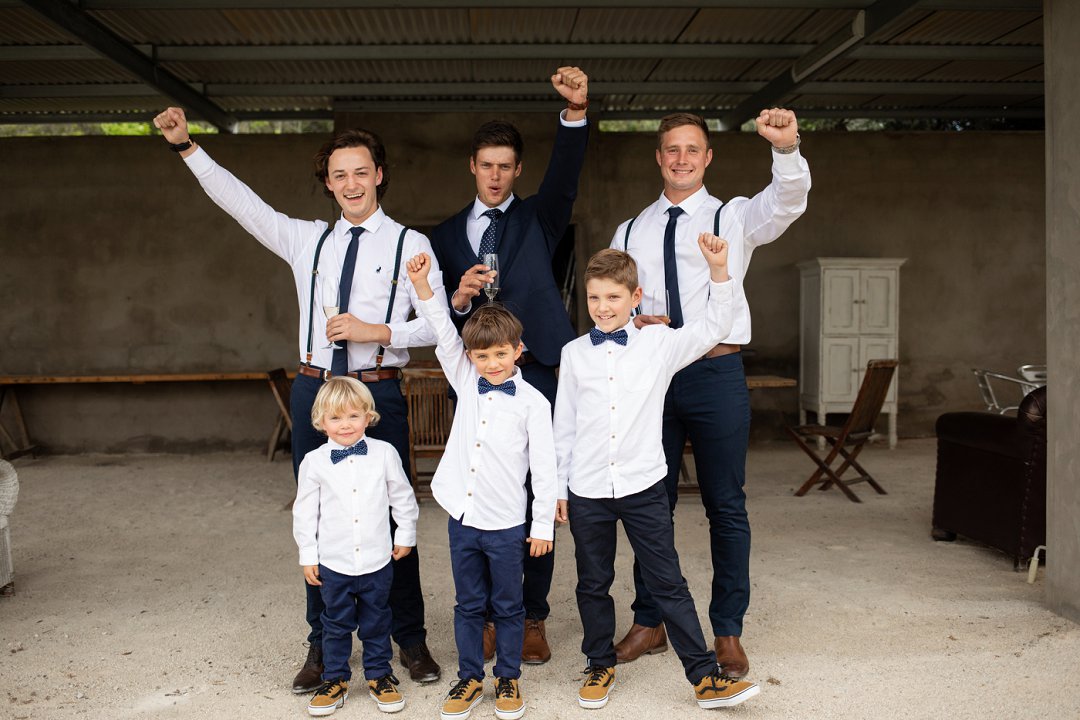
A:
[345, 492]
[608, 414]
[501, 430]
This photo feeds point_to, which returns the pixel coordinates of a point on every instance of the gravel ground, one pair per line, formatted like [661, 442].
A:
[166, 586]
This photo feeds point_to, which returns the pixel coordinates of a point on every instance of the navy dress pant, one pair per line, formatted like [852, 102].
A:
[357, 603]
[708, 402]
[646, 518]
[406, 595]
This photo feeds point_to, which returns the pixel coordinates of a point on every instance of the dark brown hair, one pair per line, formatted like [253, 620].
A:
[491, 325]
[498, 133]
[614, 265]
[670, 122]
[354, 137]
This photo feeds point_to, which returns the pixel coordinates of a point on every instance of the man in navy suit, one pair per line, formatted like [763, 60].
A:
[524, 234]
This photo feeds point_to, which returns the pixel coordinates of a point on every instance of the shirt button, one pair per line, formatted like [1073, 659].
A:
[356, 520]
[472, 470]
[469, 494]
[612, 407]
[610, 377]
[477, 444]
[483, 422]
[612, 437]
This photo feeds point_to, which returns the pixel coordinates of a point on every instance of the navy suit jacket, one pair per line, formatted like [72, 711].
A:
[525, 241]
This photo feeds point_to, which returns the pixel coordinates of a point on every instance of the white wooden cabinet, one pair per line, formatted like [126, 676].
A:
[848, 315]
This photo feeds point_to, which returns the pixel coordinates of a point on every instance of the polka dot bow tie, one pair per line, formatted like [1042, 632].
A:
[507, 387]
[359, 448]
[598, 336]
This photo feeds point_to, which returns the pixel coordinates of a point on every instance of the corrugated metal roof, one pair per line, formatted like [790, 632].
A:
[982, 71]
[63, 72]
[891, 70]
[19, 26]
[958, 27]
[700, 70]
[630, 25]
[738, 25]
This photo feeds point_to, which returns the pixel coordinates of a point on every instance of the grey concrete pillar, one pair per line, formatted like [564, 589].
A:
[1061, 21]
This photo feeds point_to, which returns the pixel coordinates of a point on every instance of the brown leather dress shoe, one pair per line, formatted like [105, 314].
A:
[422, 667]
[641, 640]
[310, 676]
[534, 649]
[489, 641]
[731, 657]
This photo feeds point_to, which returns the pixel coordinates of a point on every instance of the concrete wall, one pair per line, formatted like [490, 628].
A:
[112, 259]
[1062, 301]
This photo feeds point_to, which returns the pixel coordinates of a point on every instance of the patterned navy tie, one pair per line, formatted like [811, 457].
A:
[487, 241]
[485, 386]
[359, 448]
[598, 336]
[340, 364]
[671, 273]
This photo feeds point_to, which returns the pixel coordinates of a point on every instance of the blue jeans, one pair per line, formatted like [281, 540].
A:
[360, 603]
[406, 595]
[487, 566]
[708, 401]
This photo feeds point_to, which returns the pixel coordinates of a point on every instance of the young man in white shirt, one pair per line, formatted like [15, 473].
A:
[708, 401]
[611, 464]
[501, 431]
[345, 492]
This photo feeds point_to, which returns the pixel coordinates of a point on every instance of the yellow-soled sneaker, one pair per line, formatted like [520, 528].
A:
[717, 690]
[385, 692]
[509, 704]
[329, 697]
[599, 680]
[461, 698]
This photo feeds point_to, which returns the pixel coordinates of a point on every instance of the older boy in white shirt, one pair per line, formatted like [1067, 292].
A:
[608, 414]
[501, 430]
[345, 493]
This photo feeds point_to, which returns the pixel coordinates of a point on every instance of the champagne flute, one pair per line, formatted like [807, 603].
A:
[491, 289]
[330, 300]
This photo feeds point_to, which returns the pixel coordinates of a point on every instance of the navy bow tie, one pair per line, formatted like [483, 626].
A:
[507, 387]
[598, 336]
[359, 448]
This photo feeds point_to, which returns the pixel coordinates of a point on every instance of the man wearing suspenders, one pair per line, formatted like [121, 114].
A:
[357, 265]
[708, 401]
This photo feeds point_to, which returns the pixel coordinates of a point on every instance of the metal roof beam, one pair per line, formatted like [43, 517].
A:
[495, 4]
[73, 20]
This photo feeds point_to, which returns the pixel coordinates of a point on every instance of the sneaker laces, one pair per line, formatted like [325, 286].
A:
[720, 680]
[504, 687]
[387, 683]
[327, 687]
[458, 690]
[595, 674]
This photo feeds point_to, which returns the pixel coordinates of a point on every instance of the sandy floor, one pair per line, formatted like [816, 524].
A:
[163, 586]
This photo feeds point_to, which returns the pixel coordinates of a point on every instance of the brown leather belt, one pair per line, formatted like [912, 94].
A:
[526, 358]
[362, 375]
[721, 349]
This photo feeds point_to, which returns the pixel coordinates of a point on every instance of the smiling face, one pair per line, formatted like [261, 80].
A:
[496, 363]
[683, 155]
[495, 168]
[345, 426]
[610, 303]
[353, 179]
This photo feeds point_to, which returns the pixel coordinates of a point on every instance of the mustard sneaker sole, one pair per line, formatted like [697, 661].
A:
[739, 697]
[323, 710]
[596, 703]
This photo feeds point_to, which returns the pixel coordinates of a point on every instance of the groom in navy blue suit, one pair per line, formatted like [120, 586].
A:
[524, 234]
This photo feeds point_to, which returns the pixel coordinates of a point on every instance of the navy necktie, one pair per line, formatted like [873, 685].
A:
[485, 386]
[598, 336]
[340, 364]
[359, 448]
[671, 272]
[487, 240]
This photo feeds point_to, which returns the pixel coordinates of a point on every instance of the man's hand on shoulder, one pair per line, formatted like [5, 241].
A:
[778, 126]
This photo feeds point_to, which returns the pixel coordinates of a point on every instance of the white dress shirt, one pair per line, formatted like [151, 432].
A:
[610, 405]
[341, 516]
[477, 224]
[494, 441]
[745, 223]
[294, 241]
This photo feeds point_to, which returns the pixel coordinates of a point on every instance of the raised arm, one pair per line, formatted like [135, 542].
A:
[696, 337]
[558, 190]
[448, 346]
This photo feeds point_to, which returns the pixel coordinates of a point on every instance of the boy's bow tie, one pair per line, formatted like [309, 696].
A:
[485, 386]
[359, 448]
[598, 336]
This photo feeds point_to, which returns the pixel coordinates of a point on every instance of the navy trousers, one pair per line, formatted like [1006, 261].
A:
[487, 567]
[406, 595]
[708, 401]
[360, 603]
[646, 518]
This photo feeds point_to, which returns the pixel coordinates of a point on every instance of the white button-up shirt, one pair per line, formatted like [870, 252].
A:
[295, 240]
[495, 440]
[610, 405]
[745, 223]
[341, 516]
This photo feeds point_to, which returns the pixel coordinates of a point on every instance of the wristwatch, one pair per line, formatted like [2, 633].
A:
[181, 147]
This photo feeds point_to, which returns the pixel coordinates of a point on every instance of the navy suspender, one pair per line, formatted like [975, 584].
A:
[715, 227]
[311, 305]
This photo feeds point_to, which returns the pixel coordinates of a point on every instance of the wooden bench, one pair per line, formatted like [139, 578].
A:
[19, 439]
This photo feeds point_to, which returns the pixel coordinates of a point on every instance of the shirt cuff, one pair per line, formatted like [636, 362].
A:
[405, 538]
[460, 313]
[399, 335]
[542, 531]
[309, 556]
[725, 290]
[788, 163]
[199, 162]
[572, 123]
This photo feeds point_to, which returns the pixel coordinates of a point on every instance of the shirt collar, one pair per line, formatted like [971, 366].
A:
[690, 205]
[338, 446]
[629, 327]
[479, 208]
[371, 225]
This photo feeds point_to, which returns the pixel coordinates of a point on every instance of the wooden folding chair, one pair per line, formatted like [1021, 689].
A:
[281, 386]
[854, 433]
[430, 416]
